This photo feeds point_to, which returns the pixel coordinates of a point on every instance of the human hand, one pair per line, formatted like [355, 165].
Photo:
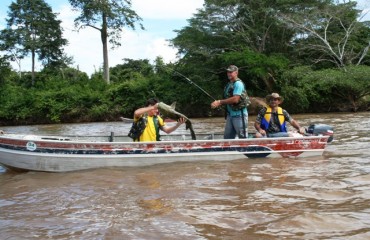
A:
[181, 120]
[215, 104]
[302, 130]
[262, 132]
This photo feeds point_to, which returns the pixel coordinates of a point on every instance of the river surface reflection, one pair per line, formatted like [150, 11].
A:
[313, 198]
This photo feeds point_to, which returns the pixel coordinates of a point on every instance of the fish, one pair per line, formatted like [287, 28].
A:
[258, 102]
[169, 112]
[131, 120]
[256, 105]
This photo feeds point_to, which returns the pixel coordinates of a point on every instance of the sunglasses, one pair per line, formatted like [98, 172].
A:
[274, 99]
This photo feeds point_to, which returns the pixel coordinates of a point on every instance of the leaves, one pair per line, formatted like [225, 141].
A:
[328, 89]
[32, 28]
[109, 17]
[330, 33]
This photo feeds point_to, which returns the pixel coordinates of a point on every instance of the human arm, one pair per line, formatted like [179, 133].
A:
[174, 127]
[231, 100]
[139, 112]
[295, 124]
[257, 125]
[237, 92]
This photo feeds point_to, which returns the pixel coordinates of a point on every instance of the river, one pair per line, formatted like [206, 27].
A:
[313, 198]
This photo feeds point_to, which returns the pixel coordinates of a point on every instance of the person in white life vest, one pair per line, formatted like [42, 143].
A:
[271, 121]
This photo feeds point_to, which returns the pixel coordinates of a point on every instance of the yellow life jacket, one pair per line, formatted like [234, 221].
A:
[267, 118]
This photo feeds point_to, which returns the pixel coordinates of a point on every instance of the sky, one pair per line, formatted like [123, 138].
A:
[160, 19]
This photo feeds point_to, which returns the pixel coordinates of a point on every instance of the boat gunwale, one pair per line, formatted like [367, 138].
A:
[52, 154]
[47, 139]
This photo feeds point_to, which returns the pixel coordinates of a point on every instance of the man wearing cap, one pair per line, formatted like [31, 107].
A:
[271, 121]
[236, 107]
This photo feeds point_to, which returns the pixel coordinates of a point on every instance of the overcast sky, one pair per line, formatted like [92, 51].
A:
[160, 19]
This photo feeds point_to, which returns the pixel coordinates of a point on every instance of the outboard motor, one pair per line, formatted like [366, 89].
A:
[321, 130]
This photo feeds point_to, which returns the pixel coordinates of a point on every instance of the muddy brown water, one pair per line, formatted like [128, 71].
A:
[324, 197]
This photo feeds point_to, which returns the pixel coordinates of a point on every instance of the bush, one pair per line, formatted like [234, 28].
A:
[328, 89]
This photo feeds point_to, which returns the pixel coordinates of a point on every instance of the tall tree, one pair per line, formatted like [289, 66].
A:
[32, 28]
[330, 32]
[246, 33]
[109, 17]
[232, 25]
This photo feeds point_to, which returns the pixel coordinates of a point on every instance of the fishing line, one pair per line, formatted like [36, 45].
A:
[191, 82]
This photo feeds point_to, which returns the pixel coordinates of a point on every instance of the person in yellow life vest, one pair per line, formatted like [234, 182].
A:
[153, 122]
[271, 121]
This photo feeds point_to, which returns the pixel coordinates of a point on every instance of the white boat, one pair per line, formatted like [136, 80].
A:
[72, 153]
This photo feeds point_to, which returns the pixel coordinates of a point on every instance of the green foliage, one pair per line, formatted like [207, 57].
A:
[230, 25]
[257, 70]
[329, 34]
[127, 96]
[61, 101]
[65, 74]
[258, 36]
[32, 28]
[5, 71]
[109, 18]
[326, 90]
[131, 70]
[264, 37]
[71, 97]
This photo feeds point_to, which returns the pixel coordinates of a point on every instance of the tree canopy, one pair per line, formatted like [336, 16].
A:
[330, 33]
[315, 53]
[109, 17]
[32, 28]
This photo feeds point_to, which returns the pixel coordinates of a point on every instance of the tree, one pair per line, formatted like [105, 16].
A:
[5, 70]
[130, 70]
[231, 25]
[245, 33]
[330, 33]
[32, 28]
[108, 17]
[333, 89]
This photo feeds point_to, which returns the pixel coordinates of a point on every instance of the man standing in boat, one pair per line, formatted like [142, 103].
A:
[148, 123]
[235, 96]
[271, 120]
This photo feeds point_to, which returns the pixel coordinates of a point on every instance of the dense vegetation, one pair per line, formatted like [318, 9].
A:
[315, 54]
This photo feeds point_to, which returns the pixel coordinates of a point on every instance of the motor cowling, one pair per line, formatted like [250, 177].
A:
[321, 130]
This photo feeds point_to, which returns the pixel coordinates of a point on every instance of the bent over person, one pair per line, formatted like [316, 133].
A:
[152, 122]
[235, 96]
[271, 121]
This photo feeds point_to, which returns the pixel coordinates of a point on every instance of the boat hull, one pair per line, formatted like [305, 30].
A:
[39, 153]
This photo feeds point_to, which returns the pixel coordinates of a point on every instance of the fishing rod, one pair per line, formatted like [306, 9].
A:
[191, 82]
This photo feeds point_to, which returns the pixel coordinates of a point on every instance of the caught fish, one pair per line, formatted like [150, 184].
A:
[169, 112]
[131, 120]
[258, 102]
[256, 105]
